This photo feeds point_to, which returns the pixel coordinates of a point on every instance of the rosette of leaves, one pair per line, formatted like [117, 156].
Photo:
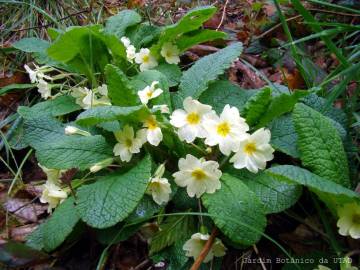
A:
[113, 201]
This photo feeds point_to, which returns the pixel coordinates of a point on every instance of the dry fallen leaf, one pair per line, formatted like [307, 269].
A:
[24, 209]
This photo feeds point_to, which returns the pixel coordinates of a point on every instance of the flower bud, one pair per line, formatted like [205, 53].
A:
[71, 130]
[101, 165]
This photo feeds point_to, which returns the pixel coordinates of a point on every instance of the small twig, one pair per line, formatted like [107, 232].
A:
[277, 26]
[223, 15]
[141, 265]
[204, 252]
[257, 253]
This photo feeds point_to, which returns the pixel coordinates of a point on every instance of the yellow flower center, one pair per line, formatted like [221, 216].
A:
[193, 118]
[198, 174]
[151, 123]
[168, 54]
[223, 129]
[128, 142]
[146, 58]
[356, 218]
[250, 148]
[149, 94]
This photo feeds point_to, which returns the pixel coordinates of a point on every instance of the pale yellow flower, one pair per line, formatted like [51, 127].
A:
[190, 120]
[254, 151]
[145, 59]
[171, 53]
[349, 220]
[196, 243]
[226, 130]
[198, 175]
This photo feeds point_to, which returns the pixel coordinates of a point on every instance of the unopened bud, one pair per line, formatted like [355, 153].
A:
[71, 130]
[101, 165]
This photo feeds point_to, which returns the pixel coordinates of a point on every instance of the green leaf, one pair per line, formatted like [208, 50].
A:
[283, 135]
[314, 182]
[236, 211]
[280, 105]
[275, 195]
[320, 145]
[173, 255]
[54, 107]
[196, 79]
[97, 115]
[82, 48]
[118, 23]
[198, 36]
[120, 90]
[113, 197]
[144, 210]
[41, 130]
[172, 73]
[73, 152]
[221, 93]
[59, 226]
[175, 228]
[191, 21]
[15, 255]
[15, 86]
[319, 104]
[257, 105]
[143, 34]
[31, 44]
[35, 238]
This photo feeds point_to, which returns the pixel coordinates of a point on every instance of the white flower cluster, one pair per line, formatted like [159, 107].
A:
[88, 98]
[52, 192]
[38, 76]
[228, 130]
[146, 59]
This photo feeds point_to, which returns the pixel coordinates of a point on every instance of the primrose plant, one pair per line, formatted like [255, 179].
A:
[127, 138]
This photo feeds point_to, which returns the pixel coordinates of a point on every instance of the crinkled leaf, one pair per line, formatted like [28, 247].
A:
[31, 44]
[172, 73]
[113, 197]
[221, 93]
[275, 195]
[314, 182]
[280, 105]
[143, 34]
[283, 135]
[196, 79]
[54, 107]
[174, 228]
[198, 36]
[73, 152]
[118, 23]
[174, 256]
[236, 211]
[98, 115]
[42, 130]
[319, 104]
[320, 145]
[59, 226]
[35, 239]
[120, 90]
[257, 105]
